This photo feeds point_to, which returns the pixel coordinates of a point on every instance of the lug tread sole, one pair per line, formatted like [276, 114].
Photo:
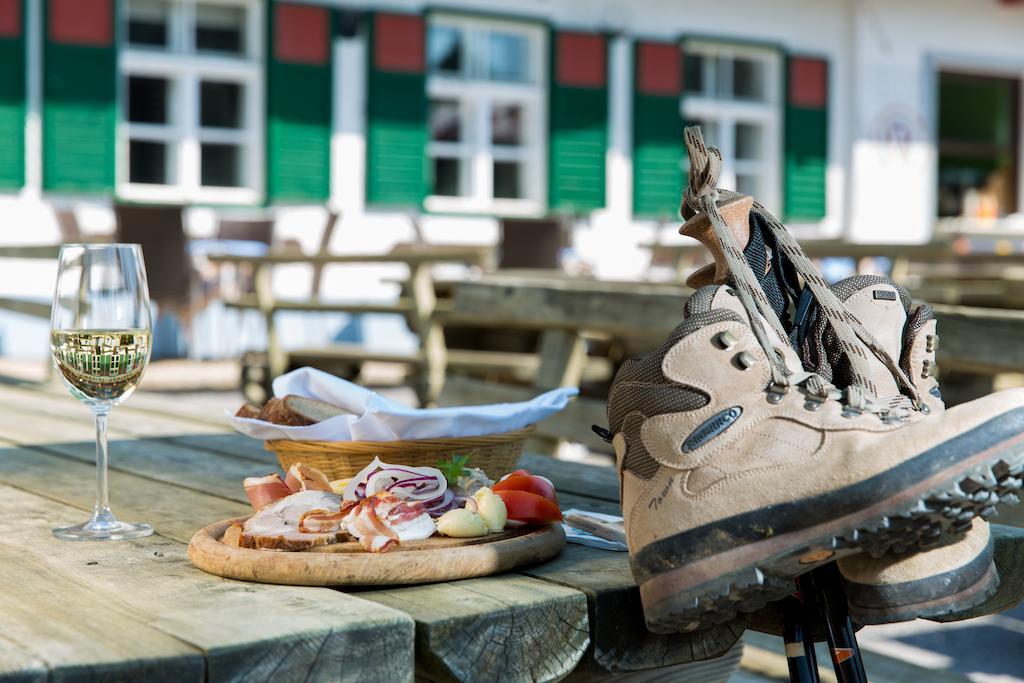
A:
[941, 514]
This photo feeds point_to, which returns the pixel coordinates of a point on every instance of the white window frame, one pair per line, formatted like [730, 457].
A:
[726, 113]
[478, 97]
[184, 69]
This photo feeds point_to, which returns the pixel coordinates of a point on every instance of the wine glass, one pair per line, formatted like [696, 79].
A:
[100, 340]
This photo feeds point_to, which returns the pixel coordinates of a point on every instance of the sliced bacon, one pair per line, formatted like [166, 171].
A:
[325, 521]
[377, 544]
[365, 525]
[306, 478]
[262, 491]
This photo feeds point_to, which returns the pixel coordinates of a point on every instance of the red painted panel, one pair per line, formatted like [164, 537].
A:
[10, 18]
[82, 22]
[301, 34]
[398, 43]
[808, 82]
[580, 60]
[659, 69]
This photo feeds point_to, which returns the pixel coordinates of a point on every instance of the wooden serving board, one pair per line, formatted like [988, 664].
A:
[347, 564]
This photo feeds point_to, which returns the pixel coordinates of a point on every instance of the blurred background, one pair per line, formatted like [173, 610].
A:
[405, 193]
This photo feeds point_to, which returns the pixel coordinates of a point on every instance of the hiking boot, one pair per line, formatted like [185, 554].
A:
[731, 489]
[740, 470]
[939, 582]
[942, 581]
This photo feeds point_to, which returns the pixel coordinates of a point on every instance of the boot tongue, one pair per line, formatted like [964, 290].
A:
[881, 306]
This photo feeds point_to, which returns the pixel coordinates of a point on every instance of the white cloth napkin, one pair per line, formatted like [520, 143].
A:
[574, 535]
[376, 418]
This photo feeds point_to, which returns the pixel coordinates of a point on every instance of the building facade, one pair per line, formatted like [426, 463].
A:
[870, 120]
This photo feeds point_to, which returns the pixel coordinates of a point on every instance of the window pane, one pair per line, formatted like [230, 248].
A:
[445, 125]
[507, 183]
[220, 29]
[509, 58]
[748, 141]
[693, 78]
[147, 162]
[446, 177]
[748, 79]
[220, 105]
[147, 99]
[722, 70]
[220, 165]
[748, 184]
[507, 124]
[148, 23]
[444, 49]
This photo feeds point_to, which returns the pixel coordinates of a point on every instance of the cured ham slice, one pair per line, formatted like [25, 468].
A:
[383, 520]
[279, 525]
[306, 478]
[262, 491]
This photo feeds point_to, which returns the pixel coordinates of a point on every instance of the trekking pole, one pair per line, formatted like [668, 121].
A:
[799, 642]
[823, 589]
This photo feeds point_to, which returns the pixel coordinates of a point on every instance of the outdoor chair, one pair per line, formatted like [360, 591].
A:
[532, 243]
[160, 231]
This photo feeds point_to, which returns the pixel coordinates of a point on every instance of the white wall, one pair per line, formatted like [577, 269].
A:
[900, 47]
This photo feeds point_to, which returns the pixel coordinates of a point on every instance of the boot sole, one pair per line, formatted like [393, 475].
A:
[684, 594]
[910, 601]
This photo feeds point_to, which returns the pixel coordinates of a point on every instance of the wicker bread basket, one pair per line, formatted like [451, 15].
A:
[495, 454]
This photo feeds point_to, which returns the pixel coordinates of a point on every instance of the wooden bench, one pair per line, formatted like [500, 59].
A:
[567, 311]
[420, 305]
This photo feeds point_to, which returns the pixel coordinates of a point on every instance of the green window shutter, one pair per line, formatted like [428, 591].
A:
[578, 122]
[79, 95]
[657, 130]
[806, 138]
[396, 135]
[299, 89]
[12, 94]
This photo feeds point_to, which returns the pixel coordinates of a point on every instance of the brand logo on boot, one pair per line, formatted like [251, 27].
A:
[712, 427]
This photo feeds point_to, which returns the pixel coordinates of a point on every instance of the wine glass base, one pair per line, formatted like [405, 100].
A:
[108, 531]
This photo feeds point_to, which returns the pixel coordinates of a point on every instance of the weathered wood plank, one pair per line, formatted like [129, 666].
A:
[980, 339]
[507, 628]
[36, 309]
[573, 477]
[633, 309]
[123, 419]
[175, 512]
[135, 608]
[19, 666]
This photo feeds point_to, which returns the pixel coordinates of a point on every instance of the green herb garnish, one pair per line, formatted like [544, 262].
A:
[453, 469]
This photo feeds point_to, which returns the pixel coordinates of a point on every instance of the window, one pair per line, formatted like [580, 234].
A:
[978, 145]
[192, 93]
[486, 88]
[733, 93]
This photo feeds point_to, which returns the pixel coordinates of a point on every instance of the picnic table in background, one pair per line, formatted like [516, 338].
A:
[430, 359]
[976, 269]
[33, 307]
[139, 610]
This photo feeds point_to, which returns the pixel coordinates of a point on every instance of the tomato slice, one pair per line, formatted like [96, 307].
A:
[524, 506]
[531, 484]
[516, 473]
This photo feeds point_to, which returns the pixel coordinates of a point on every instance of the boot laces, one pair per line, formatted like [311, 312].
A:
[702, 195]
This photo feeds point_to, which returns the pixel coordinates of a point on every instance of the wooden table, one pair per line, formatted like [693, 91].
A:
[139, 611]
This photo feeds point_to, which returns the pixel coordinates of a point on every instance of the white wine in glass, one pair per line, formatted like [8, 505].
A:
[100, 329]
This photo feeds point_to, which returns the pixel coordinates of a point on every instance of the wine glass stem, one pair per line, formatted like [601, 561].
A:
[101, 511]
